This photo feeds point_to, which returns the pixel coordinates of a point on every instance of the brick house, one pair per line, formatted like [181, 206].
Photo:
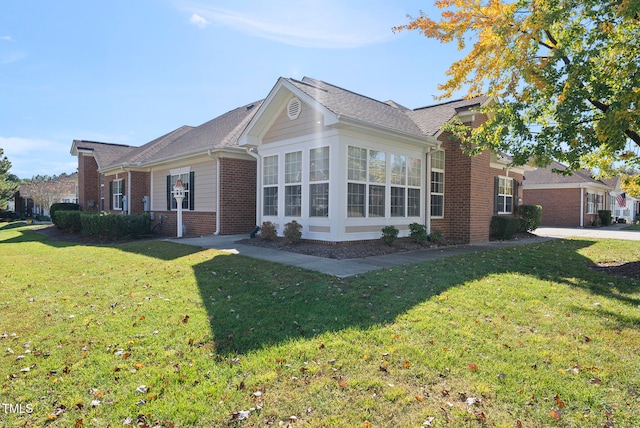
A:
[569, 200]
[218, 175]
[341, 164]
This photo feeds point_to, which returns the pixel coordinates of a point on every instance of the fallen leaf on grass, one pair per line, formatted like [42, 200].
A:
[555, 414]
[473, 367]
[559, 402]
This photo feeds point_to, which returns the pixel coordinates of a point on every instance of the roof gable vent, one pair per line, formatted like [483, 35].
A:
[293, 108]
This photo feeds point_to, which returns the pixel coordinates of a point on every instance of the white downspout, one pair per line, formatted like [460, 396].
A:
[129, 192]
[217, 158]
[256, 155]
[217, 232]
[581, 207]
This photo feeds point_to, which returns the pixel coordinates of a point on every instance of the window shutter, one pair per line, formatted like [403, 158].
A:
[192, 176]
[123, 184]
[496, 199]
[111, 195]
[168, 193]
[516, 187]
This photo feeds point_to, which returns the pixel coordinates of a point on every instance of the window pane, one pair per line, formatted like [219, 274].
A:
[437, 205]
[398, 169]
[319, 164]
[293, 167]
[397, 202]
[437, 182]
[270, 170]
[292, 201]
[355, 199]
[414, 172]
[319, 200]
[437, 160]
[413, 202]
[377, 166]
[270, 201]
[357, 164]
[376, 201]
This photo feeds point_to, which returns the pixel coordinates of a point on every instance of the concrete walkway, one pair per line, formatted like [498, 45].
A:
[349, 267]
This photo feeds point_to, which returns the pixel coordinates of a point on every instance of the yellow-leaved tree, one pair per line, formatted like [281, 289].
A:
[565, 75]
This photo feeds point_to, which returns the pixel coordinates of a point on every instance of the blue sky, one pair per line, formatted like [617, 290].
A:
[127, 72]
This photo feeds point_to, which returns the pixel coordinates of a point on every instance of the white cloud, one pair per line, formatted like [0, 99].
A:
[199, 21]
[306, 23]
[32, 156]
[7, 38]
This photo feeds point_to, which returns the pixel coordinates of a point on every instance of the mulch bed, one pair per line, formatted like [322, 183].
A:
[625, 270]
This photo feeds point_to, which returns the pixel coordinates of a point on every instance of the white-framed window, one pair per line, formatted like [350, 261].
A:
[373, 175]
[293, 186]
[591, 202]
[270, 185]
[437, 183]
[505, 195]
[319, 182]
[117, 193]
[599, 202]
[184, 177]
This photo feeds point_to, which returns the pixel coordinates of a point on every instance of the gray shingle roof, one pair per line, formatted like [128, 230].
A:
[104, 153]
[547, 176]
[431, 118]
[220, 132]
[224, 131]
[425, 121]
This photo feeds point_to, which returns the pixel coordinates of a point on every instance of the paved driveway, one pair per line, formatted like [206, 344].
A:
[613, 232]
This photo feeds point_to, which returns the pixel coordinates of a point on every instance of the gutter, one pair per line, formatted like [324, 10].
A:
[581, 206]
[217, 158]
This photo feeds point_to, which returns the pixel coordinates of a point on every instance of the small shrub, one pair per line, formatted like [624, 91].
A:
[268, 231]
[531, 216]
[61, 206]
[418, 233]
[436, 236]
[389, 234]
[605, 217]
[292, 232]
[503, 227]
[69, 221]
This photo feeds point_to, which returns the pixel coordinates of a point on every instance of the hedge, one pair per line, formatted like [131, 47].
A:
[69, 221]
[503, 227]
[61, 206]
[116, 226]
[531, 216]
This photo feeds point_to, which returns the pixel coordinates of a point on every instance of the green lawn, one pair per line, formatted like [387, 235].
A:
[165, 334]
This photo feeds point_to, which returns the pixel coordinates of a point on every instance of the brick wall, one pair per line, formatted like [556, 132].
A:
[196, 223]
[469, 192]
[560, 207]
[88, 183]
[140, 187]
[237, 196]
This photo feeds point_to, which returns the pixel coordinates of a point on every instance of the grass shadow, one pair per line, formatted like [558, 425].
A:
[254, 304]
[156, 248]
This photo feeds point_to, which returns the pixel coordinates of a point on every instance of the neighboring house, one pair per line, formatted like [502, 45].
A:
[569, 200]
[62, 189]
[341, 164]
[218, 175]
